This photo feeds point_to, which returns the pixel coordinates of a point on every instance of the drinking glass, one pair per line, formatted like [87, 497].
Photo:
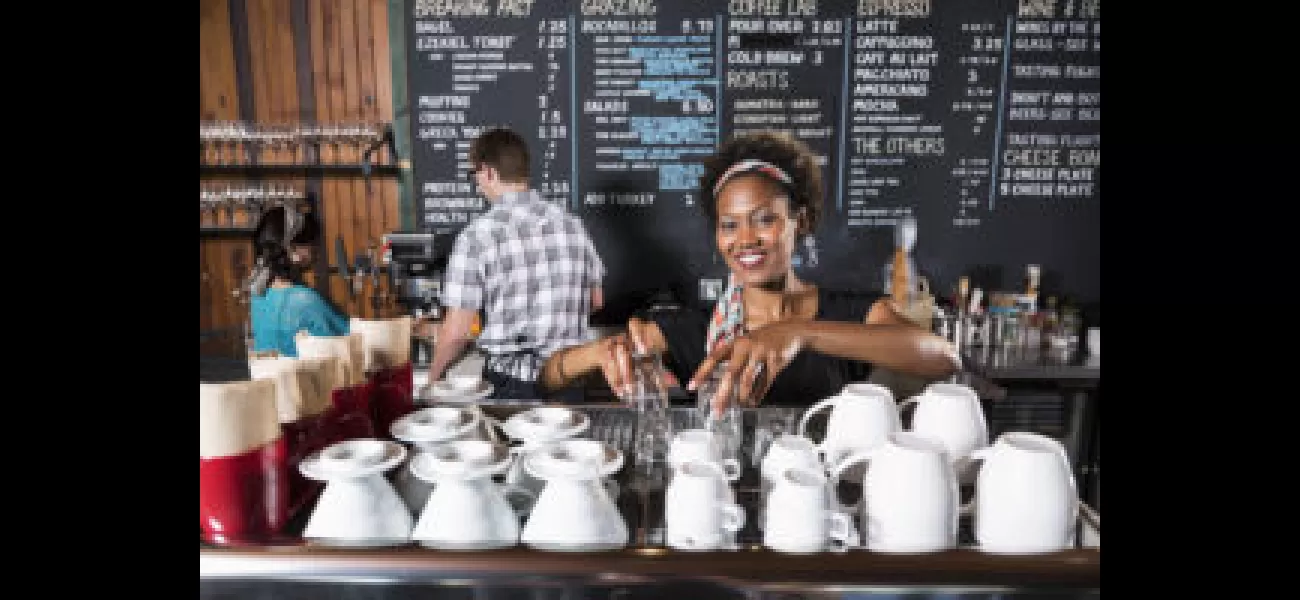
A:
[725, 426]
[654, 428]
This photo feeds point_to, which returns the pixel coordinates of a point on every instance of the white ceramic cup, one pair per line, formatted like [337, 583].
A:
[797, 519]
[699, 513]
[861, 416]
[359, 506]
[573, 511]
[951, 413]
[466, 510]
[786, 451]
[702, 445]
[523, 488]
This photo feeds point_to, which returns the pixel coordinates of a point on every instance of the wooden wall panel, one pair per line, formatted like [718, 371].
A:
[329, 109]
[383, 105]
[350, 81]
[217, 92]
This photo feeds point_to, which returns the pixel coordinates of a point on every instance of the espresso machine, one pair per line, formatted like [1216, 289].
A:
[416, 262]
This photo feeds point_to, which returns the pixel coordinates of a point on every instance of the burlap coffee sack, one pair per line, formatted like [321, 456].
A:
[236, 417]
[385, 342]
[302, 385]
[345, 348]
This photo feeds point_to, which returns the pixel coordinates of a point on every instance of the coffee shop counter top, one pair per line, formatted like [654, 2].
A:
[750, 568]
[1074, 569]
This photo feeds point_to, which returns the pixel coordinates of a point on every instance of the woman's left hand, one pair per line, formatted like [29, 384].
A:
[752, 362]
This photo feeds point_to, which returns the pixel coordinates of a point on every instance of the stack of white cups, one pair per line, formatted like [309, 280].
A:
[700, 509]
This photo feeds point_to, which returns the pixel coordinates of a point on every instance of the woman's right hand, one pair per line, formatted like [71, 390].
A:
[616, 354]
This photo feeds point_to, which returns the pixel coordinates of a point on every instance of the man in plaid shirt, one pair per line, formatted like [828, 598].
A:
[527, 264]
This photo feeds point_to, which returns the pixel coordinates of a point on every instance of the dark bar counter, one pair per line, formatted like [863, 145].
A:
[1077, 569]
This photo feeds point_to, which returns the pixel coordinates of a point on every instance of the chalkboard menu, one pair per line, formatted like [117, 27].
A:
[980, 118]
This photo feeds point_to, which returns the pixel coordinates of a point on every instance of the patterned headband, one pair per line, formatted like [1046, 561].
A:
[752, 165]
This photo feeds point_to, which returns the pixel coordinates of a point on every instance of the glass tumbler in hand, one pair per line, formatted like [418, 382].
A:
[725, 425]
[654, 427]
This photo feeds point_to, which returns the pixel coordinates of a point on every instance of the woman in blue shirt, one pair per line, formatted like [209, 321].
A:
[281, 305]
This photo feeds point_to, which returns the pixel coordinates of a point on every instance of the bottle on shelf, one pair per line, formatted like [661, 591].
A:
[1033, 278]
[1049, 323]
[963, 293]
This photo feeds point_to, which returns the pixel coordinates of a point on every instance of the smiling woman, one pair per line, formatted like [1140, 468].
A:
[775, 338]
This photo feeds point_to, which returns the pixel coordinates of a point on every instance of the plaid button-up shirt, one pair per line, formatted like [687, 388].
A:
[530, 266]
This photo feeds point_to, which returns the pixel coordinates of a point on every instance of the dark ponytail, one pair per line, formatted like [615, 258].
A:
[271, 249]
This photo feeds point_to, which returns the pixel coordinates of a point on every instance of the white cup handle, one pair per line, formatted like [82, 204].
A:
[974, 456]
[733, 517]
[838, 472]
[910, 402]
[812, 410]
[842, 536]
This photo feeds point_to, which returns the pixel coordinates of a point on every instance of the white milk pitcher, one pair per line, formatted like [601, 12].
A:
[1026, 499]
[951, 413]
[862, 416]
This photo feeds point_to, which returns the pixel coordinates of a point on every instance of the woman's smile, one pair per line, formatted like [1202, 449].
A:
[751, 260]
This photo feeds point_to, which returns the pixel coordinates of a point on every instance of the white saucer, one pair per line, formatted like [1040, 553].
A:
[441, 391]
[610, 464]
[408, 430]
[546, 468]
[522, 427]
[392, 454]
[448, 461]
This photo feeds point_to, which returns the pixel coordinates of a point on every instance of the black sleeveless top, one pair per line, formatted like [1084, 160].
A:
[810, 377]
